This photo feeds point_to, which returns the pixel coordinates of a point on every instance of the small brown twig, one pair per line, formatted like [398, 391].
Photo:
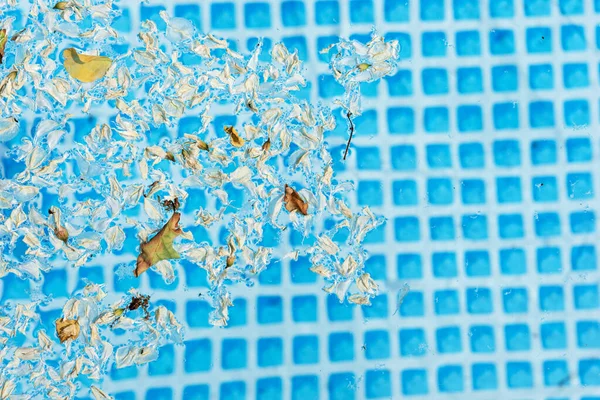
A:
[349, 116]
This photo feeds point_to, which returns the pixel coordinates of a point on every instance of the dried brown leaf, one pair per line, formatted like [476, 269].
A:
[293, 201]
[266, 145]
[234, 136]
[3, 40]
[160, 247]
[67, 329]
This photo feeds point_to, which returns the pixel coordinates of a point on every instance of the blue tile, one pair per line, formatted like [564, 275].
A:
[271, 275]
[448, 340]
[198, 355]
[409, 266]
[196, 392]
[163, 393]
[506, 116]
[469, 118]
[442, 228]
[519, 375]
[510, 226]
[435, 119]
[165, 363]
[551, 298]
[579, 186]
[547, 224]
[376, 266]
[304, 308]
[297, 43]
[378, 308]
[257, 15]
[471, 155]
[588, 372]
[237, 313]
[508, 190]
[543, 152]
[413, 305]
[484, 376]
[434, 81]
[556, 373]
[233, 354]
[337, 311]
[482, 339]
[235, 390]
[361, 11]
[403, 157]
[450, 379]
[537, 8]
[512, 261]
[583, 222]
[468, 43]
[588, 334]
[328, 87]
[222, 16]
[446, 302]
[378, 384]
[583, 258]
[152, 13]
[505, 78]
[575, 75]
[401, 120]
[300, 272]
[55, 283]
[469, 80]
[515, 300]
[541, 114]
[548, 260]
[407, 229]
[269, 388]
[341, 346]
[414, 382]
[327, 12]
[377, 343]
[466, 9]
[576, 113]
[433, 44]
[190, 12]
[305, 387]
[342, 386]
[368, 158]
[517, 337]
[412, 342]
[479, 301]
[197, 313]
[444, 265]
[396, 11]
[404, 40]
[502, 42]
[293, 13]
[269, 352]
[579, 150]
[474, 227]
[553, 335]
[477, 263]
[438, 156]
[440, 191]
[306, 349]
[539, 40]
[431, 10]
[541, 77]
[400, 84]
[270, 309]
[572, 38]
[472, 191]
[586, 297]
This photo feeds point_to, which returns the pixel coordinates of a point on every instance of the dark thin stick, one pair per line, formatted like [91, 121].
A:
[349, 115]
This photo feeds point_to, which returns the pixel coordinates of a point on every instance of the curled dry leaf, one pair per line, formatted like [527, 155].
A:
[3, 40]
[61, 5]
[160, 247]
[67, 329]
[293, 201]
[234, 136]
[266, 145]
[85, 68]
[61, 233]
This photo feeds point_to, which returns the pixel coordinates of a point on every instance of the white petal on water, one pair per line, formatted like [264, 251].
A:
[165, 269]
[9, 127]
[328, 245]
[114, 237]
[366, 284]
[151, 209]
[99, 394]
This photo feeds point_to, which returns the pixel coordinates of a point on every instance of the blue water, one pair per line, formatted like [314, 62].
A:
[481, 151]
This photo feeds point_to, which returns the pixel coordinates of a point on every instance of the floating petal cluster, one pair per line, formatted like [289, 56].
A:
[73, 198]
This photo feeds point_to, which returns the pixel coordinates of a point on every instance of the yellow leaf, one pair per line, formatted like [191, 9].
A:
[293, 201]
[61, 5]
[3, 40]
[160, 247]
[234, 136]
[85, 68]
[363, 66]
[67, 329]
